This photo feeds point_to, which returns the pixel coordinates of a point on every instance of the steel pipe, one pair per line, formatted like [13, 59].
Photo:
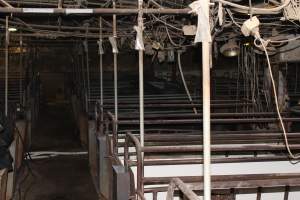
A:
[6, 65]
[163, 122]
[206, 115]
[92, 11]
[141, 74]
[87, 71]
[101, 73]
[187, 192]
[21, 70]
[4, 3]
[115, 66]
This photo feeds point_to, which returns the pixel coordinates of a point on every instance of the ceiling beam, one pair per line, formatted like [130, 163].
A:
[92, 11]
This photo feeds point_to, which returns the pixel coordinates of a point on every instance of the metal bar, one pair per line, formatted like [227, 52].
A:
[248, 189]
[194, 116]
[141, 84]
[21, 69]
[52, 27]
[195, 136]
[187, 105]
[140, 166]
[60, 3]
[115, 55]
[218, 148]
[269, 179]
[214, 121]
[101, 73]
[286, 193]
[6, 65]
[4, 3]
[206, 114]
[82, 80]
[233, 192]
[87, 73]
[258, 195]
[87, 11]
[115, 66]
[184, 161]
[187, 192]
[141, 78]
[154, 195]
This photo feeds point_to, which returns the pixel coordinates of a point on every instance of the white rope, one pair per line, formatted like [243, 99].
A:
[276, 100]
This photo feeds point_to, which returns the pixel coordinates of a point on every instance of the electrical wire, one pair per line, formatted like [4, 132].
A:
[184, 82]
[165, 23]
[262, 42]
[282, 41]
[257, 10]
[231, 17]
[170, 38]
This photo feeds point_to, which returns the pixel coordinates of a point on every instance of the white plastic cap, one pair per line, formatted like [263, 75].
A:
[250, 27]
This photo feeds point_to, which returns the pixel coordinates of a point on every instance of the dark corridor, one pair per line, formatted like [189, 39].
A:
[61, 177]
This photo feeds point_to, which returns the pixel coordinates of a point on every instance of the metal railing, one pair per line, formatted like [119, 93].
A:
[184, 190]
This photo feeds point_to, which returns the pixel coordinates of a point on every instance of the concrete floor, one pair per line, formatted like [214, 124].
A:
[60, 178]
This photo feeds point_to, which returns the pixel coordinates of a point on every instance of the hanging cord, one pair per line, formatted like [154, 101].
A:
[254, 9]
[263, 45]
[170, 38]
[184, 82]
[232, 18]
[285, 40]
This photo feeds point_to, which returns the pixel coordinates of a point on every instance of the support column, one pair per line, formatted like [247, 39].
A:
[101, 73]
[6, 65]
[206, 110]
[141, 73]
[115, 65]
[60, 3]
[87, 69]
[206, 120]
[140, 47]
[21, 70]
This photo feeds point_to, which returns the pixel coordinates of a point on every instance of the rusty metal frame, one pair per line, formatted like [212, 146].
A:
[141, 180]
[131, 140]
[183, 188]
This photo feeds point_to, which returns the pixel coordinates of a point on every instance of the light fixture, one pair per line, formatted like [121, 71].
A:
[12, 29]
[230, 49]
[17, 50]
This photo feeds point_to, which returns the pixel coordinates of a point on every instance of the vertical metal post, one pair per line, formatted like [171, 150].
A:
[82, 70]
[6, 65]
[21, 69]
[87, 71]
[140, 47]
[141, 75]
[206, 113]
[88, 77]
[101, 72]
[115, 65]
[60, 3]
